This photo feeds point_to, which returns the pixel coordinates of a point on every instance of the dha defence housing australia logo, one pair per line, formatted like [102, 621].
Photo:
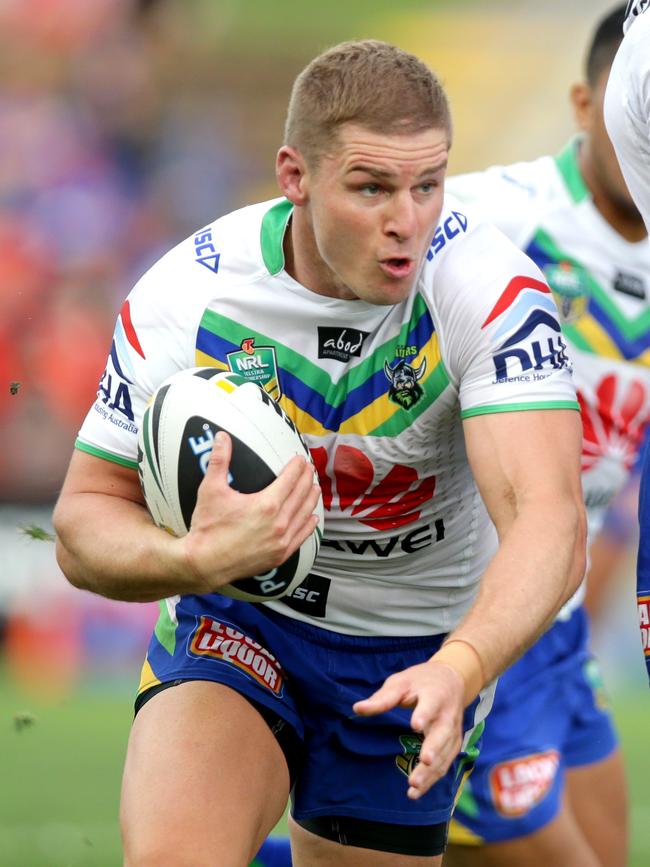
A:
[525, 332]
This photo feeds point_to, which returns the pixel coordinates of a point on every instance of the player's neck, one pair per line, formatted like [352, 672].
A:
[621, 216]
[303, 262]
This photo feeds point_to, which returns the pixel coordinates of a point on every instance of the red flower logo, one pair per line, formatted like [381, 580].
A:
[392, 502]
[615, 425]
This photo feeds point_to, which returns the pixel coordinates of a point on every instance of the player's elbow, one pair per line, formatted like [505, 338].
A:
[577, 529]
[63, 523]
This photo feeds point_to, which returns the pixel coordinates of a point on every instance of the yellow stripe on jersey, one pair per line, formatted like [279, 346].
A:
[147, 677]
[462, 836]
[202, 359]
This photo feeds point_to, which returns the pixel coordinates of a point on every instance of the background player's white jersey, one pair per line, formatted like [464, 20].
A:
[379, 392]
[601, 283]
[627, 106]
[633, 10]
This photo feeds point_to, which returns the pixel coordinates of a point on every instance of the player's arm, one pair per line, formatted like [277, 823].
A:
[527, 468]
[108, 544]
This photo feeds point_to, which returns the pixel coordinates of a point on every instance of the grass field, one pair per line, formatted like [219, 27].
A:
[61, 776]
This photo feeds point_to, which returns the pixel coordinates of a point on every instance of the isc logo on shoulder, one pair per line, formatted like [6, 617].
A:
[447, 231]
[206, 252]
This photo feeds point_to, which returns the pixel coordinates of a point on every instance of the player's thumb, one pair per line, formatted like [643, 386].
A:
[219, 462]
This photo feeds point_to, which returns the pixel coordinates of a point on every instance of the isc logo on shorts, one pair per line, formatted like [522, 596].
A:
[220, 641]
[519, 784]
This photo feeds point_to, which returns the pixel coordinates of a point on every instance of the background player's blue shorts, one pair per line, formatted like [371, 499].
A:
[350, 766]
[550, 713]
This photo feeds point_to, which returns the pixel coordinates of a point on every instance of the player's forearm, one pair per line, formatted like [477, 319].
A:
[110, 546]
[539, 565]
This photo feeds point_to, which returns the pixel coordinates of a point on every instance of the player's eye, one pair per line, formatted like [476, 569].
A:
[370, 190]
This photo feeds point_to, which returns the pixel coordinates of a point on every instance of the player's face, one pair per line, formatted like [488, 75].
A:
[370, 210]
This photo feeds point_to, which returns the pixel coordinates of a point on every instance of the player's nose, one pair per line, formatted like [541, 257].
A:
[401, 220]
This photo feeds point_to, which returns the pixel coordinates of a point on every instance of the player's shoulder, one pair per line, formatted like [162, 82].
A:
[472, 265]
[233, 245]
[463, 238]
[237, 248]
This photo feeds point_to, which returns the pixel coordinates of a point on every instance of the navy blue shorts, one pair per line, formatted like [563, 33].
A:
[550, 713]
[310, 677]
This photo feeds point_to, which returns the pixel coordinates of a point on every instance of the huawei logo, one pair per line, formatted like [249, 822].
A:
[615, 423]
[382, 504]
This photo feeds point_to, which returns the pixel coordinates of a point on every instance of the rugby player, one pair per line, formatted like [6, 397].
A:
[446, 438]
[627, 115]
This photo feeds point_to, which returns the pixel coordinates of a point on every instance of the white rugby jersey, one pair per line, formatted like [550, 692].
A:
[633, 10]
[379, 394]
[601, 283]
[627, 106]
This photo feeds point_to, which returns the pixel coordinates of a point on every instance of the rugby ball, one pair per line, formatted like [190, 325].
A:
[174, 443]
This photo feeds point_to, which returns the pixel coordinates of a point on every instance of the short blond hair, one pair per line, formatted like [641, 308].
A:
[370, 83]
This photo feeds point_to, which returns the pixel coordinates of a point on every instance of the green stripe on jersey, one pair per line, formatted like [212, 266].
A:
[567, 164]
[311, 374]
[107, 456]
[165, 630]
[489, 409]
[274, 225]
[631, 329]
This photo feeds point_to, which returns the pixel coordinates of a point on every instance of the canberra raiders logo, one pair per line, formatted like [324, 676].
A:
[405, 389]
[411, 744]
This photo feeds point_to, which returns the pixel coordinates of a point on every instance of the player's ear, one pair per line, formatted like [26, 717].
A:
[291, 172]
[582, 100]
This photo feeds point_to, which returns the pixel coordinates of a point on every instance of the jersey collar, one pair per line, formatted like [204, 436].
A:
[274, 225]
[567, 164]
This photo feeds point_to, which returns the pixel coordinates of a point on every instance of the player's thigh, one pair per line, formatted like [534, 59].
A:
[561, 843]
[310, 850]
[204, 774]
[597, 796]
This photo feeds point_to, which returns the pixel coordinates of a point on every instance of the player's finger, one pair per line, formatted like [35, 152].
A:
[427, 710]
[388, 696]
[302, 497]
[437, 753]
[303, 513]
[303, 532]
[280, 489]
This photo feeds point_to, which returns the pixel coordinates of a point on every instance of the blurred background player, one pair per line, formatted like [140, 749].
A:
[627, 114]
[549, 786]
[627, 104]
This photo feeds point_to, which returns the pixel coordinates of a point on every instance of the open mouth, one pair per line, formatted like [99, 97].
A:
[397, 266]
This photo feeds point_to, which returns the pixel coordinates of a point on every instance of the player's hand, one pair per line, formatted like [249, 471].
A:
[435, 692]
[234, 535]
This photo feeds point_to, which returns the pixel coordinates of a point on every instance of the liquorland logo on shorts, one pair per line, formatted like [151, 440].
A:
[519, 784]
[644, 622]
[224, 642]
